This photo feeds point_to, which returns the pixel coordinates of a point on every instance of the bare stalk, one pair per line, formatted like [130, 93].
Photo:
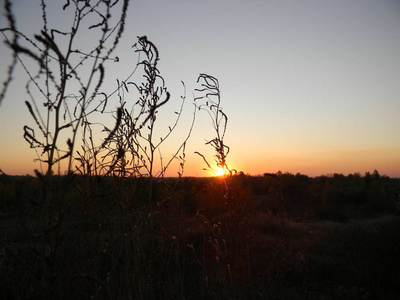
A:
[209, 101]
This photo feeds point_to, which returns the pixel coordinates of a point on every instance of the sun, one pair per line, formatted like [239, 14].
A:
[220, 171]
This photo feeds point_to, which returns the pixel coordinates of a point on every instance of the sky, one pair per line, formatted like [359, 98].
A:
[308, 86]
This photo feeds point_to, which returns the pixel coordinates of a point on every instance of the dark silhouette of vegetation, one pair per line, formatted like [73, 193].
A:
[209, 100]
[56, 107]
[59, 112]
[202, 245]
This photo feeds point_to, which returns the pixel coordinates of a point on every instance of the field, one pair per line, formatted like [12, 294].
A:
[283, 236]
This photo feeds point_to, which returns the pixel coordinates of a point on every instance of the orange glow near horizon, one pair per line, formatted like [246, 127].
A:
[20, 161]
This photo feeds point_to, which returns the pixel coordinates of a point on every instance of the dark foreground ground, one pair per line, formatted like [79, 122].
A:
[283, 237]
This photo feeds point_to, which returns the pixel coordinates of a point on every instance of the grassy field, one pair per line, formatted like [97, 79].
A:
[242, 237]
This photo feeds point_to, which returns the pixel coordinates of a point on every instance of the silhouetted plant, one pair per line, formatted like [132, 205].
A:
[63, 90]
[13, 41]
[224, 205]
[132, 147]
[210, 101]
[59, 75]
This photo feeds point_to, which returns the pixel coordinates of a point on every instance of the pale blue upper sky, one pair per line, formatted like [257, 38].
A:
[309, 86]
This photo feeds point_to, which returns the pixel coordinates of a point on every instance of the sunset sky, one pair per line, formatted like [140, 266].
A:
[309, 86]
